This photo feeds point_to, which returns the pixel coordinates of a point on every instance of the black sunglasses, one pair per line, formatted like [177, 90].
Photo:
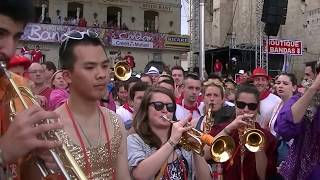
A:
[78, 35]
[160, 105]
[242, 105]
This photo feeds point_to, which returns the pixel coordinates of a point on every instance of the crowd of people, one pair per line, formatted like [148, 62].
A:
[132, 129]
[80, 21]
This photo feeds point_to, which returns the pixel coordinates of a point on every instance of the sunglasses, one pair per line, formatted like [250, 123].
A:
[242, 105]
[78, 35]
[160, 105]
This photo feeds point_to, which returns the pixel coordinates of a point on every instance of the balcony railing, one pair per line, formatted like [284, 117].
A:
[111, 37]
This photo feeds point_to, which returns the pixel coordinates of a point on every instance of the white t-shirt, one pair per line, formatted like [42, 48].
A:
[181, 112]
[267, 106]
[124, 114]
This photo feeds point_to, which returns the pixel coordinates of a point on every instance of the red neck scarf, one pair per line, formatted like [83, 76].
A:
[264, 94]
[127, 107]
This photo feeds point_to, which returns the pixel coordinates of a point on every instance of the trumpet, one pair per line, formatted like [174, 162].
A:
[253, 139]
[122, 70]
[221, 147]
[20, 98]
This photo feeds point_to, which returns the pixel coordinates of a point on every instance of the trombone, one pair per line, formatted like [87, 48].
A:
[62, 156]
[221, 147]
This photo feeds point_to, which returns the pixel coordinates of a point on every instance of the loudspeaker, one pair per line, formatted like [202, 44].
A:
[274, 11]
[274, 14]
[271, 29]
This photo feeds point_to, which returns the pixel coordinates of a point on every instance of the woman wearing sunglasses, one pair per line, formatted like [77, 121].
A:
[153, 152]
[245, 164]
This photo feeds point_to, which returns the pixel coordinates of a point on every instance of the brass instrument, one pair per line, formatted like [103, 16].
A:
[221, 147]
[122, 70]
[20, 99]
[208, 120]
[253, 139]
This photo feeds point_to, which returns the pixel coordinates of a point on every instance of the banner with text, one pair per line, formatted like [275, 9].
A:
[282, 46]
[134, 39]
[112, 37]
[51, 33]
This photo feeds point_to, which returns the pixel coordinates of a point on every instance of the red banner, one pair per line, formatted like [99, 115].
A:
[281, 46]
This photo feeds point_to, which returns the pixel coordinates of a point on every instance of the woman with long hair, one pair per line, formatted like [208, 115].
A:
[153, 152]
[285, 86]
[246, 164]
[299, 120]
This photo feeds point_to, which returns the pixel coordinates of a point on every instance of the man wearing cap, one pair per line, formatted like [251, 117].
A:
[154, 73]
[19, 64]
[268, 101]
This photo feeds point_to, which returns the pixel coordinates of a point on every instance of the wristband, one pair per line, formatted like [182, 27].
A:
[171, 143]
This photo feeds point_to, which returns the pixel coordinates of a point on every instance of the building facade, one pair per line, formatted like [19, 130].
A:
[234, 21]
[147, 29]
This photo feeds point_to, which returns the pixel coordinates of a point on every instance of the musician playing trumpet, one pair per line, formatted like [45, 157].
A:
[245, 164]
[153, 152]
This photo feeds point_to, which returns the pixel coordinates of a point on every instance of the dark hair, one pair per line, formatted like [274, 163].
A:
[291, 76]
[119, 84]
[167, 76]
[313, 68]
[141, 120]
[192, 76]
[214, 76]
[50, 66]
[247, 88]
[177, 68]
[139, 86]
[21, 11]
[167, 81]
[66, 54]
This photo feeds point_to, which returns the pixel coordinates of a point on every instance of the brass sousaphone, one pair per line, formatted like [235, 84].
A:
[122, 70]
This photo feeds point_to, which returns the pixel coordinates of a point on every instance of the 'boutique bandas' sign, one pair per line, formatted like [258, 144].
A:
[281, 46]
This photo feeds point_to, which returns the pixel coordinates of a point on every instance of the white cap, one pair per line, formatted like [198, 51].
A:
[241, 71]
[153, 70]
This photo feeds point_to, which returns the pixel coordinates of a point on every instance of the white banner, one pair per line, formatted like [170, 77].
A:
[130, 43]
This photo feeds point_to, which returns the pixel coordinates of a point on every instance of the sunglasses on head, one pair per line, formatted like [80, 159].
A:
[160, 105]
[78, 35]
[242, 105]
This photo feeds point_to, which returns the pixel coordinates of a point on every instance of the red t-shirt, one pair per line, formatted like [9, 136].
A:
[217, 67]
[36, 56]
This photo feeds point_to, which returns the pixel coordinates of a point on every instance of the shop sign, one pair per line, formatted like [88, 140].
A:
[282, 46]
[177, 41]
[159, 7]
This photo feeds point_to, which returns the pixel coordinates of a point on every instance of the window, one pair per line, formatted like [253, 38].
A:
[38, 8]
[151, 21]
[114, 15]
[156, 56]
[72, 9]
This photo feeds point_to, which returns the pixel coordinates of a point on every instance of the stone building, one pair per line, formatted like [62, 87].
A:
[235, 21]
[148, 29]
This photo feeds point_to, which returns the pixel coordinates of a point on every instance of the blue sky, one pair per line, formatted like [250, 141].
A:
[184, 16]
